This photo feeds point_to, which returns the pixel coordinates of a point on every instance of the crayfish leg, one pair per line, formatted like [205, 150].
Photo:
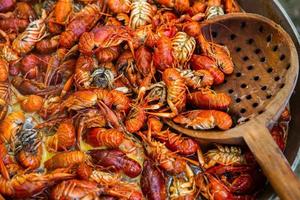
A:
[165, 115]
[173, 108]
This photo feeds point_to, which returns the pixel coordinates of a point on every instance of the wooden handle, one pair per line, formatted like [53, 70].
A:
[272, 161]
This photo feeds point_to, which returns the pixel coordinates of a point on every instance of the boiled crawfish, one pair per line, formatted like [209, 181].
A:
[143, 60]
[163, 56]
[10, 126]
[131, 73]
[205, 62]
[76, 189]
[84, 67]
[176, 93]
[240, 179]
[28, 87]
[141, 14]
[103, 37]
[33, 64]
[82, 21]
[60, 65]
[28, 148]
[50, 106]
[226, 155]
[90, 118]
[197, 8]
[166, 159]
[212, 188]
[204, 119]
[66, 159]
[183, 48]
[209, 99]
[89, 98]
[135, 119]
[111, 138]
[153, 182]
[34, 32]
[218, 52]
[179, 5]
[183, 187]
[113, 186]
[115, 160]
[124, 191]
[61, 12]
[197, 79]
[64, 137]
[119, 6]
[48, 45]
[156, 97]
[27, 185]
[177, 143]
[107, 54]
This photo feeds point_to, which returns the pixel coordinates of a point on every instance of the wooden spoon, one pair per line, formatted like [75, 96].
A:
[266, 71]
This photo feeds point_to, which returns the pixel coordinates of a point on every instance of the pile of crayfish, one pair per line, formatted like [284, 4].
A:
[85, 86]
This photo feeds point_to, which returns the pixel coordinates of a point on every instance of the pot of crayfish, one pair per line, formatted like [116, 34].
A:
[62, 135]
[275, 11]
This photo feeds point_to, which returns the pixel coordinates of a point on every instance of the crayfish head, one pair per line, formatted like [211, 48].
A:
[102, 78]
[28, 138]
